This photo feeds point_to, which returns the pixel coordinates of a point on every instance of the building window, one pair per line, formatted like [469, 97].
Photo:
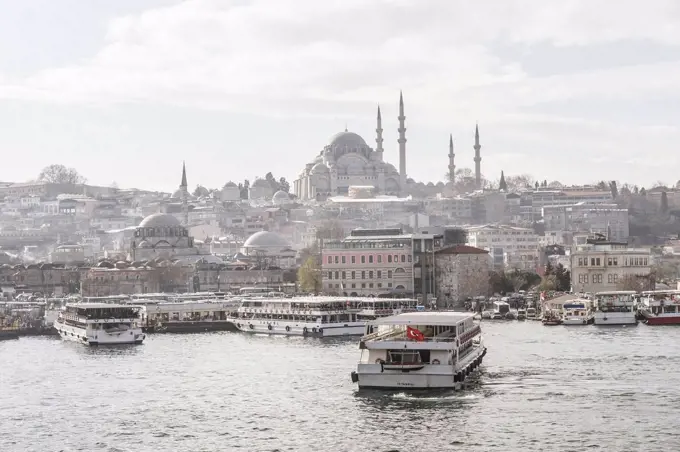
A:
[363, 274]
[410, 258]
[330, 275]
[343, 259]
[389, 274]
[396, 258]
[370, 259]
[403, 258]
[616, 261]
[616, 278]
[330, 259]
[379, 285]
[370, 274]
[344, 275]
[370, 285]
[610, 277]
[580, 262]
[610, 262]
[585, 279]
[353, 275]
[363, 259]
[354, 286]
[354, 259]
[592, 261]
[363, 285]
[389, 258]
[337, 275]
[380, 258]
[336, 259]
[597, 261]
[379, 274]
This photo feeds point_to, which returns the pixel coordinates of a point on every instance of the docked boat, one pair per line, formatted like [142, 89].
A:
[7, 333]
[660, 307]
[551, 318]
[190, 316]
[532, 314]
[577, 312]
[615, 308]
[419, 350]
[301, 316]
[100, 324]
[521, 314]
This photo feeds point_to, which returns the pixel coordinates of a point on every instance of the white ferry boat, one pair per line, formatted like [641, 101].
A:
[577, 312]
[419, 350]
[301, 316]
[374, 308]
[615, 308]
[100, 324]
[660, 307]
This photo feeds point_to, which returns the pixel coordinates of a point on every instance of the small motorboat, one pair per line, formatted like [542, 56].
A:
[521, 314]
[551, 319]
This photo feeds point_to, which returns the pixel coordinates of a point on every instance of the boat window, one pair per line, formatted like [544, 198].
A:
[404, 356]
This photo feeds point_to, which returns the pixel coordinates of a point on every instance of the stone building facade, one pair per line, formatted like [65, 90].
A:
[461, 272]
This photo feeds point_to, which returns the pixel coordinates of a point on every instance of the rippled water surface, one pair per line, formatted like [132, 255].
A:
[541, 389]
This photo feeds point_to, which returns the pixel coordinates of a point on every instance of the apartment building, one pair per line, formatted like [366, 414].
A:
[509, 246]
[606, 219]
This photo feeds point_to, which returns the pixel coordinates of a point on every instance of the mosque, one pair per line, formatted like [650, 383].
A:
[347, 161]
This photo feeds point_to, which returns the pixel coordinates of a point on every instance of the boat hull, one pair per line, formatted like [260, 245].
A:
[668, 319]
[615, 318]
[191, 327]
[429, 376]
[577, 321]
[300, 329]
[80, 335]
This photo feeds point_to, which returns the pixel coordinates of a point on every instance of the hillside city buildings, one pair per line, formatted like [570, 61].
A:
[383, 233]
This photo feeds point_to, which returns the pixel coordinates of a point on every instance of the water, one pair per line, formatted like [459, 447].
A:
[542, 389]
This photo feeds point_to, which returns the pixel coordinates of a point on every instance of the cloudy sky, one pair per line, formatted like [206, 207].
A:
[575, 90]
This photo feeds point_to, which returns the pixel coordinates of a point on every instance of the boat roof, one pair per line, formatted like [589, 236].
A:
[616, 292]
[329, 299]
[446, 318]
[100, 305]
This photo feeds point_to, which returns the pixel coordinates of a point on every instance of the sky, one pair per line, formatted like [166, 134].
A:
[576, 91]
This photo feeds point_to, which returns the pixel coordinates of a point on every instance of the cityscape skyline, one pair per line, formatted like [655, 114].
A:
[150, 83]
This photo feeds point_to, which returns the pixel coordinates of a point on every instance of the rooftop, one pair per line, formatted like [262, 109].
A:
[447, 318]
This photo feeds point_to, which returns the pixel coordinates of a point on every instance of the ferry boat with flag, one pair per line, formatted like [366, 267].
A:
[419, 350]
[101, 324]
[660, 307]
[615, 308]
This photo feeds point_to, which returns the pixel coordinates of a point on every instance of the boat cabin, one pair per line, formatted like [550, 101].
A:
[659, 302]
[615, 301]
[419, 338]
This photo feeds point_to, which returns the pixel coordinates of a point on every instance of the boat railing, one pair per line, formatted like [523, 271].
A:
[401, 335]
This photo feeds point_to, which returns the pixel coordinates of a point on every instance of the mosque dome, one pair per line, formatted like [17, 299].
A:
[319, 168]
[266, 239]
[349, 139]
[159, 220]
[281, 196]
[230, 184]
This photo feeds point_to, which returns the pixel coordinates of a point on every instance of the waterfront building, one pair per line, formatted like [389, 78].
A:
[369, 262]
[602, 265]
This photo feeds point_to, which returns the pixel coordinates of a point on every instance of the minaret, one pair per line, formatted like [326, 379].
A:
[478, 160]
[452, 166]
[402, 143]
[184, 188]
[378, 137]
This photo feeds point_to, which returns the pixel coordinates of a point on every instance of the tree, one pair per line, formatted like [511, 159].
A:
[502, 185]
[59, 174]
[284, 185]
[330, 230]
[555, 184]
[562, 278]
[614, 189]
[244, 187]
[636, 282]
[309, 276]
[548, 269]
[518, 281]
[536, 185]
[548, 283]
[200, 191]
[643, 192]
[664, 202]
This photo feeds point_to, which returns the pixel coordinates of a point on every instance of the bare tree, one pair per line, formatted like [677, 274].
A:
[637, 283]
[517, 281]
[59, 174]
